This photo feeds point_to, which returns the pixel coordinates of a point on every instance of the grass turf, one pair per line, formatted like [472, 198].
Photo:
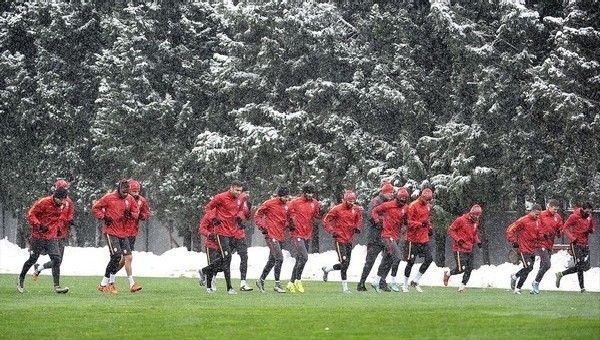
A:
[178, 307]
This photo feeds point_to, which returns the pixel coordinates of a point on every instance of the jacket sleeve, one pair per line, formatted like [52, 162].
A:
[32, 214]
[203, 229]
[98, 208]
[453, 229]
[259, 216]
[359, 219]
[511, 232]
[144, 210]
[328, 221]
[567, 227]
[376, 211]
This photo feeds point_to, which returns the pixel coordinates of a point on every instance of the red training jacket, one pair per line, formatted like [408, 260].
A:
[245, 214]
[524, 231]
[464, 228]
[549, 227]
[393, 218]
[133, 226]
[303, 213]
[45, 212]
[273, 216]
[113, 206]
[66, 217]
[418, 212]
[342, 221]
[578, 228]
[227, 208]
[206, 228]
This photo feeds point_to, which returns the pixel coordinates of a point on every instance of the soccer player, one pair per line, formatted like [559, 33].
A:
[550, 225]
[239, 244]
[213, 256]
[45, 220]
[115, 210]
[394, 216]
[578, 227]
[133, 227]
[304, 210]
[523, 236]
[464, 233]
[227, 206]
[374, 243]
[418, 231]
[68, 212]
[271, 218]
[343, 221]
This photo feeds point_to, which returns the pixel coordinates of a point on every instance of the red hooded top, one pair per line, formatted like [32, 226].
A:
[464, 228]
[66, 218]
[303, 213]
[133, 225]
[114, 206]
[524, 231]
[342, 221]
[549, 227]
[273, 216]
[578, 228]
[206, 228]
[45, 212]
[227, 208]
[393, 218]
[245, 214]
[418, 213]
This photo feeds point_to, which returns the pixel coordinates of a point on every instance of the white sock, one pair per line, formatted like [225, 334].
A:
[461, 286]
[345, 285]
[104, 281]
[405, 281]
[329, 269]
[377, 280]
[112, 278]
[393, 279]
[418, 277]
[242, 283]
[131, 282]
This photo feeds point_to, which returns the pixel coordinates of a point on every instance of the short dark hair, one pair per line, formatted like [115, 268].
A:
[536, 207]
[553, 203]
[236, 183]
[587, 205]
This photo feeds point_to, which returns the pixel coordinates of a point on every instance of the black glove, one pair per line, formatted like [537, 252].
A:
[334, 234]
[107, 220]
[479, 245]
[216, 221]
[241, 226]
[356, 231]
[425, 223]
[212, 237]
[460, 243]
[264, 231]
[574, 241]
[430, 232]
[127, 213]
[43, 229]
[249, 205]
[238, 220]
[515, 245]
[379, 226]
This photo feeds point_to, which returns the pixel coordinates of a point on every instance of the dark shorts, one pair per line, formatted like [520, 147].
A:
[131, 240]
[41, 246]
[117, 245]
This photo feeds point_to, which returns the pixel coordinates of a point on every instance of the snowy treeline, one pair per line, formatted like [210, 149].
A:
[488, 104]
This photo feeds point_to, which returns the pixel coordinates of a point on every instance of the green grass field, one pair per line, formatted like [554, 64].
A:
[168, 308]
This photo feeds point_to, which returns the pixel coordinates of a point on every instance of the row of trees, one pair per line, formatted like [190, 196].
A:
[496, 105]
